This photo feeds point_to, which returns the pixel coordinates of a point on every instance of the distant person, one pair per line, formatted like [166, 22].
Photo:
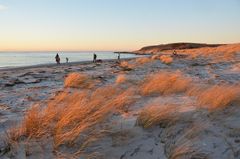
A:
[57, 57]
[67, 59]
[94, 58]
[119, 57]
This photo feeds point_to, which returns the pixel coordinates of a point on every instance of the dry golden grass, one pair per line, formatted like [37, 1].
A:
[217, 54]
[72, 118]
[158, 115]
[33, 123]
[187, 151]
[143, 60]
[230, 48]
[181, 152]
[13, 135]
[167, 59]
[183, 146]
[78, 80]
[194, 90]
[165, 83]
[218, 97]
[121, 79]
[126, 65]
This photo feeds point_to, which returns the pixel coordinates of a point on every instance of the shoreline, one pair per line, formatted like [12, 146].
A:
[54, 64]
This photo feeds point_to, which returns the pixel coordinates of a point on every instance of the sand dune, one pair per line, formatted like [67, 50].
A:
[191, 48]
[174, 46]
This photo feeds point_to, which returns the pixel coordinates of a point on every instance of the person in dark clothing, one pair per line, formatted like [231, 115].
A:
[119, 57]
[57, 57]
[94, 58]
[67, 59]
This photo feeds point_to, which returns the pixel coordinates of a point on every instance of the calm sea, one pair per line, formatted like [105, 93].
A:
[16, 59]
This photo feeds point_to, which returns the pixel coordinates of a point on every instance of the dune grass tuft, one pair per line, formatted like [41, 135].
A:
[78, 80]
[165, 83]
[121, 79]
[143, 60]
[218, 97]
[166, 59]
[158, 115]
[126, 65]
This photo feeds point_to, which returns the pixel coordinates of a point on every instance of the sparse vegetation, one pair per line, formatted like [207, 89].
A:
[77, 80]
[217, 97]
[143, 60]
[162, 115]
[121, 79]
[186, 151]
[73, 117]
[126, 66]
[165, 83]
[166, 59]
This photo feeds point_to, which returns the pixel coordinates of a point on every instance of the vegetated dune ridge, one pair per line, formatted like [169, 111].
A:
[162, 106]
[190, 48]
[174, 46]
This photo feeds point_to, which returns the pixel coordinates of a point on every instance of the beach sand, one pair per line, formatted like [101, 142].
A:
[182, 89]
[21, 87]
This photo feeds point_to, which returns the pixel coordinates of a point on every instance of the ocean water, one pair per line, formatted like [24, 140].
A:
[18, 59]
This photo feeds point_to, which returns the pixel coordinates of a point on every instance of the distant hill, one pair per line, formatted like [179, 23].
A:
[174, 46]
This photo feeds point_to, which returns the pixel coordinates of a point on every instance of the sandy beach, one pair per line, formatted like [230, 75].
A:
[161, 106]
[119, 79]
[21, 87]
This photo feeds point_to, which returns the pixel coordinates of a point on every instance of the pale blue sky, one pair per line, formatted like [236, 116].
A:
[115, 24]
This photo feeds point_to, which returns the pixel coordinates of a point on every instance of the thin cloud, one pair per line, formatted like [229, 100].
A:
[3, 7]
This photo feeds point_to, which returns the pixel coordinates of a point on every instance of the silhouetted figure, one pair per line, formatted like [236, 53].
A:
[94, 58]
[119, 57]
[57, 57]
[67, 59]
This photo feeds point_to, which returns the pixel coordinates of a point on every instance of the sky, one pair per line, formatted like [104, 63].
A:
[110, 25]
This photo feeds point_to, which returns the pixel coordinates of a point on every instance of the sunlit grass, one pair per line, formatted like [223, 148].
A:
[74, 117]
[165, 83]
[78, 80]
[158, 115]
[167, 59]
[218, 97]
[143, 60]
[121, 79]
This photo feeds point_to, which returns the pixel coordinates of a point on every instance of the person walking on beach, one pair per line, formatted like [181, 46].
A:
[67, 59]
[94, 58]
[118, 56]
[57, 57]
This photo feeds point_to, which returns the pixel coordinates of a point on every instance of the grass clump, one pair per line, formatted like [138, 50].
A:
[162, 115]
[166, 59]
[121, 79]
[126, 66]
[165, 83]
[143, 60]
[218, 97]
[78, 80]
